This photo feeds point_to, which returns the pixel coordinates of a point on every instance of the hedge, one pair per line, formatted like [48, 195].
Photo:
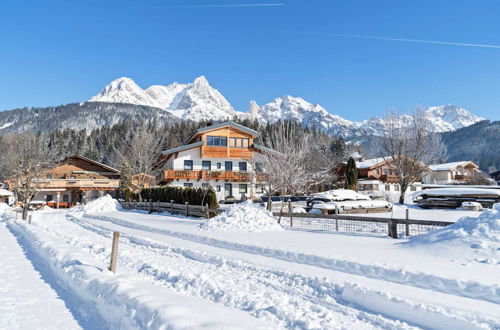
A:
[194, 196]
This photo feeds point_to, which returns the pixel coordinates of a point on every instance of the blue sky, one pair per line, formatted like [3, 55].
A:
[56, 52]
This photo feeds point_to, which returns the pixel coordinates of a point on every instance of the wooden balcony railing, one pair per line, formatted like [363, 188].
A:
[393, 178]
[170, 175]
[461, 177]
[78, 183]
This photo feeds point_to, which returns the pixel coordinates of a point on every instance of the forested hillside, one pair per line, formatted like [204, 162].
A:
[479, 142]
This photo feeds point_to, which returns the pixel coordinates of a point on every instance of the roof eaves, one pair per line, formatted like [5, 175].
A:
[181, 148]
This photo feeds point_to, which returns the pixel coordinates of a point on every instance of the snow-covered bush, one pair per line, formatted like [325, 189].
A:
[245, 217]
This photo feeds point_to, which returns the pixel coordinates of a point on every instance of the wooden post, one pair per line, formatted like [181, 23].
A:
[337, 219]
[29, 219]
[187, 209]
[407, 225]
[158, 206]
[114, 252]
[135, 204]
[207, 214]
[172, 206]
[150, 205]
[290, 209]
[393, 228]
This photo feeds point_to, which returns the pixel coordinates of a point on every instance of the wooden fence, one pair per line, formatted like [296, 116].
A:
[171, 207]
[359, 224]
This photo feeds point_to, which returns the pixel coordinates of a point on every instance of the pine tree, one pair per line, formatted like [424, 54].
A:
[352, 175]
[126, 180]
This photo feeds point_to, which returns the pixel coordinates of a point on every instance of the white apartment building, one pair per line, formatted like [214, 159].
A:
[220, 156]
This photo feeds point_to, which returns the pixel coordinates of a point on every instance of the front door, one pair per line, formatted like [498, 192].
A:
[228, 190]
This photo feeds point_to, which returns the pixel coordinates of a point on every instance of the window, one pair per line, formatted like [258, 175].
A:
[387, 171]
[205, 185]
[73, 177]
[218, 188]
[188, 185]
[258, 167]
[219, 166]
[48, 176]
[239, 142]
[217, 141]
[387, 187]
[65, 198]
[188, 164]
[243, 166]
[228, 166]
[396, 187]
[243, 188]
[206, 165]
[377, 171]
[49, 198]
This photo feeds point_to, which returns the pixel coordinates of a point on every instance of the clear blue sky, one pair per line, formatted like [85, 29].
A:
[56, 52]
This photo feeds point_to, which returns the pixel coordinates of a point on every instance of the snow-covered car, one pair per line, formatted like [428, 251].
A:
[341, 200]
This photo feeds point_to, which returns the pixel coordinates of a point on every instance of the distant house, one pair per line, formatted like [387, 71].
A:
[495, 176]
[376, 176]
[76, 179]
[219, 156]
[452, 173]
[142, 180]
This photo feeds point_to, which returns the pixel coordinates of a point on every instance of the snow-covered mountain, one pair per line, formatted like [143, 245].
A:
[199, 101]
[194, 101]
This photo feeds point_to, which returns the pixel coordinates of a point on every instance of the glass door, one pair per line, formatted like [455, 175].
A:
[228, 190]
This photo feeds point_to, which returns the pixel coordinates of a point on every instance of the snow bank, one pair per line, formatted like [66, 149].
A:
[340, 195]
[3, 208]
[247, 217]
[478, 236]
[102, 204]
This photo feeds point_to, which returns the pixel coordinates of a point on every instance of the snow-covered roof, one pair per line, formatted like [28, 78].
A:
[367, 163]
[5, 192]
[356, 155]
[450, 166]
[182, 148]
[109, 168]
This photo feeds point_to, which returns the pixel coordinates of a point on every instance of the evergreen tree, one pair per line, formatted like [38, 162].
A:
[126, 180]
[352, 175]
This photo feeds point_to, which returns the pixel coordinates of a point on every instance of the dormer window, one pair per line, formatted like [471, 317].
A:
[238, 142]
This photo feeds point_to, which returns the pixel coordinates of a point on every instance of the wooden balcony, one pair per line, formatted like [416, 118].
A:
[391, 178]
[461, 177]
[171, 175]
[110, 184]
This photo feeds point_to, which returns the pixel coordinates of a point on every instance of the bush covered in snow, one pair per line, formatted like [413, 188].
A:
[102, 204]
[477, 236]
[246, 217]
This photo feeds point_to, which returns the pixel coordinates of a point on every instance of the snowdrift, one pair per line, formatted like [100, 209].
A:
[246, 217]
[102, 204]
[340, 195]
[474, 236]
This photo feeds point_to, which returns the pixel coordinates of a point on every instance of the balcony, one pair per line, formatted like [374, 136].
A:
[78, 183]
[170, 175]
[461, 177]
[391, 178]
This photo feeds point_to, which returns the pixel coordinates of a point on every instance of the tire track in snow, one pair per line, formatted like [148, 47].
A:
[470, 289]
[426, 315]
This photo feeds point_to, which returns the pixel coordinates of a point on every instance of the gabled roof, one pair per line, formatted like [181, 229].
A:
[224, 124]
[450, 166]
[370, 163]
[109, 168]
[181, 148]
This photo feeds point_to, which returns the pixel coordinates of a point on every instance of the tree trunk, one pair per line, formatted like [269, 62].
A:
[404, 187]
[25, 211]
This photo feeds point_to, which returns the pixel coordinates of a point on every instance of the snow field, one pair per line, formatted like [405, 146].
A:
[471, 289]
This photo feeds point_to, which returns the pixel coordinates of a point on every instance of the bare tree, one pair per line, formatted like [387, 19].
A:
[24, 158]
[408, 144]
[286, 160]
[142, 153]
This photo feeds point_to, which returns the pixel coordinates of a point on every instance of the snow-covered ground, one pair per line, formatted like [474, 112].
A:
[174, 273]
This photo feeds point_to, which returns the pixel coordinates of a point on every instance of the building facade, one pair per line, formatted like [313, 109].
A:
[452, 173]
[221, 157]
[75, 180]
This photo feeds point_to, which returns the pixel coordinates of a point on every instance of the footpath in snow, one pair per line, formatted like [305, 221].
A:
[27, 299]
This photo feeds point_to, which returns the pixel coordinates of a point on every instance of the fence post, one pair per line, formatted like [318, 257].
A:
[207, 214]
[407, 225]
[337, 219]
[114, 252]
[172, 206]
[158, 206]
[187, 209]
[135, 205]
[150, 205]
[290, 210]
[29, 219]
[393, 228]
